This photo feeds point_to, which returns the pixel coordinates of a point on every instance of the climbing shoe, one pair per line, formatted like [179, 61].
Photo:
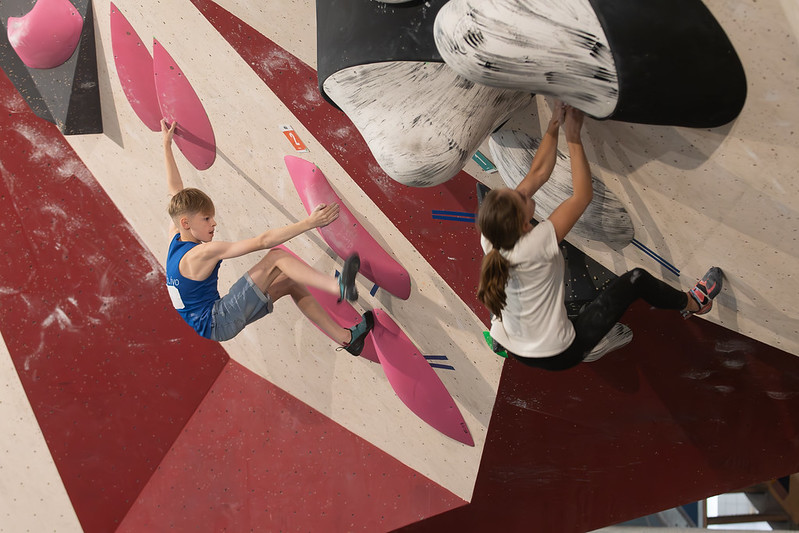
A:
[619, 336]
[704, 291]
[346, 282]
[359, 332]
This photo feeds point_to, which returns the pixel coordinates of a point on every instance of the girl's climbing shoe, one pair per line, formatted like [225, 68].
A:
[619, 336]
[704, 291]
[346, 282]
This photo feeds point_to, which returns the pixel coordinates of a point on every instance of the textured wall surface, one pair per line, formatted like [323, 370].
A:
[115, 401]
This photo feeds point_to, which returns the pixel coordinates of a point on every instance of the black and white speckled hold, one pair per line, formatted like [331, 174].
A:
[605, 220]
[421, 120]
[550, 47]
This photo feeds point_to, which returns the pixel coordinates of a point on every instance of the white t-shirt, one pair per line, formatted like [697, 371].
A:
[534, 321]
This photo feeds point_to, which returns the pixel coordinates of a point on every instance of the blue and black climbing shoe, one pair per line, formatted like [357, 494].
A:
[704, 291]
[359, 332]
[346, 282]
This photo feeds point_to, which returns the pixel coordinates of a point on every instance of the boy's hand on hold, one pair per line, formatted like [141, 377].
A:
[168, 131]
[322, 215]
[574, 123]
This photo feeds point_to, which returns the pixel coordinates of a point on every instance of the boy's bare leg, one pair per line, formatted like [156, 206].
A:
[283, 285]
[277, 262]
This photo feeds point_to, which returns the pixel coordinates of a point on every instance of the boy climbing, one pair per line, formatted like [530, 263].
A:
[194, 259]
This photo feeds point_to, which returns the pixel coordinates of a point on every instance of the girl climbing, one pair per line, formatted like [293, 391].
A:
[521, 277]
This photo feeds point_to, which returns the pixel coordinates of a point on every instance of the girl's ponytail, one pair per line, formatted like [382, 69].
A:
[494, 273]
[501, 221]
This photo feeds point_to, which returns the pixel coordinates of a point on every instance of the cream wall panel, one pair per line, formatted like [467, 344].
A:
[32, 495]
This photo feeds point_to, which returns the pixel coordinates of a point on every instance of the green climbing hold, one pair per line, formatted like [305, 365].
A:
[490, 343]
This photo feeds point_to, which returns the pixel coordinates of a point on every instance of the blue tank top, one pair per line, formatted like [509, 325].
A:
[194, 300]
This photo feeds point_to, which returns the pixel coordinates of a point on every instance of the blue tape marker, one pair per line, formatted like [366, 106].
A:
[453, 213]
[674, 270]
[458, 216]
[374, 289]
[456, 219]
[445, 367]
[436, 357]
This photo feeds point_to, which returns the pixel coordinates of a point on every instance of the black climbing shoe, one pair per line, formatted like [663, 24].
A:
[359, 332]
[346, 282]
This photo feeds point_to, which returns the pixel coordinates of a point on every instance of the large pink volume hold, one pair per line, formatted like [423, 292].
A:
[178, 101]
[135, 70]
[415, 381]
[346, 235]
[47, 35]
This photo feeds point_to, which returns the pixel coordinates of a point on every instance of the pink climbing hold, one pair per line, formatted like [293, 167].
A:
[347, 235]
[415, 381]
[47, 35]
[135, 70]
[178, 101]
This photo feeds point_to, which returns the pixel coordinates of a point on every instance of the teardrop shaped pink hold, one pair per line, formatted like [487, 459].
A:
[135, 70]
[47, 35]
[346, 234]
[416, 383]
[178, 101]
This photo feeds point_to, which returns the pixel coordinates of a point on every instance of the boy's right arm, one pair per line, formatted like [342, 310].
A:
[174, 183]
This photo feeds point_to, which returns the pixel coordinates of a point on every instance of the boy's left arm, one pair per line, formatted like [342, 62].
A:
[211, 252]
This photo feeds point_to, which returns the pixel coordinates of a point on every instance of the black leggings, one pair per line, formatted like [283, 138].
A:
[597, 318]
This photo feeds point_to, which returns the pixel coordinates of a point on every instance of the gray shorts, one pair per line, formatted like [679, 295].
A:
[242, 305]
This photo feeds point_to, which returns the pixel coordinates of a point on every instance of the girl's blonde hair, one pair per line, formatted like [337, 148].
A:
[190, 201]
[502, 222]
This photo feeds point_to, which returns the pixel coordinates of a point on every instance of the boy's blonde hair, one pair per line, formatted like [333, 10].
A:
[190, 201]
